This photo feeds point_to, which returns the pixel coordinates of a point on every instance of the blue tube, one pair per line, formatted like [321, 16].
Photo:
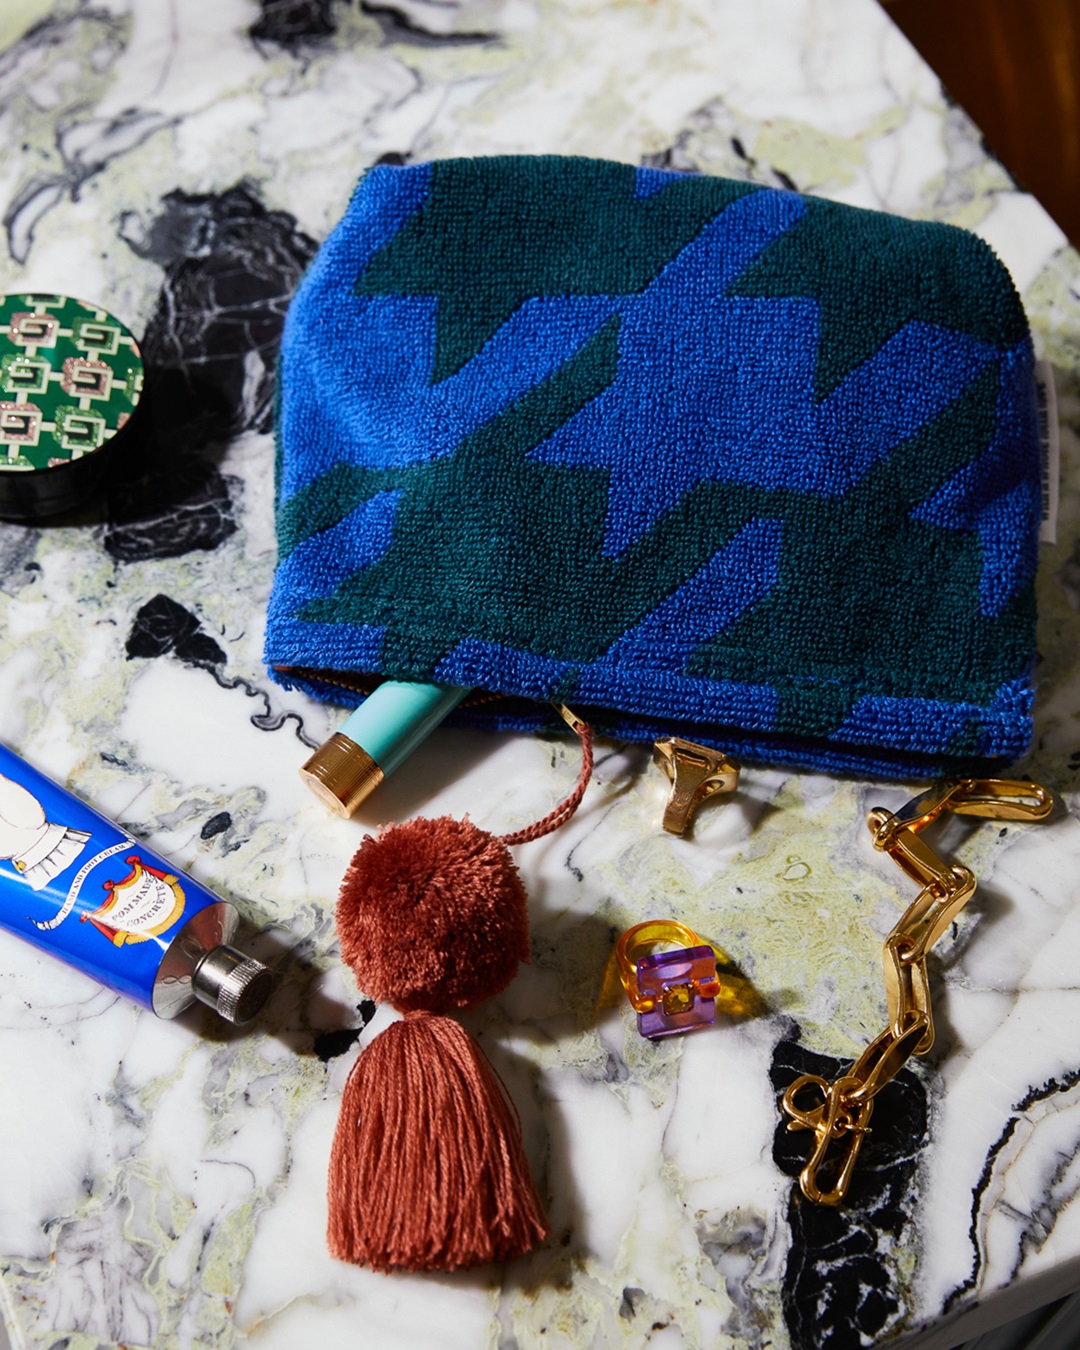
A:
[78, 887]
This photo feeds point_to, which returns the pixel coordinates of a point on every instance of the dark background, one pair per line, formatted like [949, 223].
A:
[1014, 66]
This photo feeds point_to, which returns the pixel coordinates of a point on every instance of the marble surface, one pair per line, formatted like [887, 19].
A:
[162, 1183]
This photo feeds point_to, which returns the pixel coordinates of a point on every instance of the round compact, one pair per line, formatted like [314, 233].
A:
[71, 379]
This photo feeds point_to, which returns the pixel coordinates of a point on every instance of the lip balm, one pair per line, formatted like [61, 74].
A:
[367, 747]
[75, 885]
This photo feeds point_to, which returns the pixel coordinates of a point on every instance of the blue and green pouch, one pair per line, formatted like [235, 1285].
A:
[694, 456]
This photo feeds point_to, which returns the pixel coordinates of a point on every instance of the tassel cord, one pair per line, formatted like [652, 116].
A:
[565, 809]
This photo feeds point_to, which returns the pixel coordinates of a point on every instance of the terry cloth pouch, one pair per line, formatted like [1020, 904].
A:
[695, 456]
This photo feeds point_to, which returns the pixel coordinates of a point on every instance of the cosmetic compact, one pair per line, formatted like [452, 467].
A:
[71, 383]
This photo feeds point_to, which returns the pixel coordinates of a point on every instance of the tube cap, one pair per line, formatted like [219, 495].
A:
[234, 985]
[341, 774]
[71, 381]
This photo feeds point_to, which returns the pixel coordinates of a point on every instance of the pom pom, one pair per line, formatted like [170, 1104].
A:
[433, 916]
[427, 1170]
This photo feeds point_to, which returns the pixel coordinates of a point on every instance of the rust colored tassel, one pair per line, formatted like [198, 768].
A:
[425, 1119]
[428, 1171]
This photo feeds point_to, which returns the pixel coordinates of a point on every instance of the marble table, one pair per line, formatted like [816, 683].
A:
[162, 1183]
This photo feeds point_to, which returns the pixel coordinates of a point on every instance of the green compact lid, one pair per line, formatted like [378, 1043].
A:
[71, 379]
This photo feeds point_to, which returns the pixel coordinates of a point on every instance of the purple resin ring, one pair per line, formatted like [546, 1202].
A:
[671, 991]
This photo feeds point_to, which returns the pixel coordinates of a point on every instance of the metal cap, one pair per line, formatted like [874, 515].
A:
[341, 774]
[234, 985]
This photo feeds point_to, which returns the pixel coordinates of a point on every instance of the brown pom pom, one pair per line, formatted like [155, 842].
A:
[433, 915]
[427, 1170]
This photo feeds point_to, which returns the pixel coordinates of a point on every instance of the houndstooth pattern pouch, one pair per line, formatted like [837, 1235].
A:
[698, 457]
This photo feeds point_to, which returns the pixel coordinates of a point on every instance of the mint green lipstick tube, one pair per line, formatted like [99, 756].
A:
[385, 729]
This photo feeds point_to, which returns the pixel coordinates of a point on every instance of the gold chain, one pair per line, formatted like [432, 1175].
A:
[840, 1116]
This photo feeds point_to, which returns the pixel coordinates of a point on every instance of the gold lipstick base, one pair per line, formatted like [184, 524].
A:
[341, 775]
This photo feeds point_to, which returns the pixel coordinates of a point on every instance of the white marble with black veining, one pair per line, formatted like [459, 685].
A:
[162, 1184]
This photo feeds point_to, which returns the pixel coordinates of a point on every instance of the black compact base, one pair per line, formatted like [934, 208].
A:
[38, 494]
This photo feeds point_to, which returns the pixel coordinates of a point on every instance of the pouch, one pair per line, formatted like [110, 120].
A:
[695, 456]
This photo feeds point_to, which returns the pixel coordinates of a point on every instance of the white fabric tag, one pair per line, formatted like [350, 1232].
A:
[1050, 446]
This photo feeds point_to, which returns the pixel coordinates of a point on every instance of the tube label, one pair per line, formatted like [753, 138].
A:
[77, 886]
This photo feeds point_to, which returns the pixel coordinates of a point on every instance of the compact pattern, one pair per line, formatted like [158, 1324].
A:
[707, 458]
[71, 383]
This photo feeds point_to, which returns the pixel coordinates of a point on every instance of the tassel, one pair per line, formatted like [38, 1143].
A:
[425, 1117]
[428, 1170]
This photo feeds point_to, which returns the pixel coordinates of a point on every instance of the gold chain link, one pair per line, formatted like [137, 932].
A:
[839, 1112]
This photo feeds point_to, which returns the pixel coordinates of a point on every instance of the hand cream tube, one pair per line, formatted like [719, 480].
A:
[78, 887]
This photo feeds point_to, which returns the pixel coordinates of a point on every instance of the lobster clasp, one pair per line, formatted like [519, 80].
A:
[838, 1134]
